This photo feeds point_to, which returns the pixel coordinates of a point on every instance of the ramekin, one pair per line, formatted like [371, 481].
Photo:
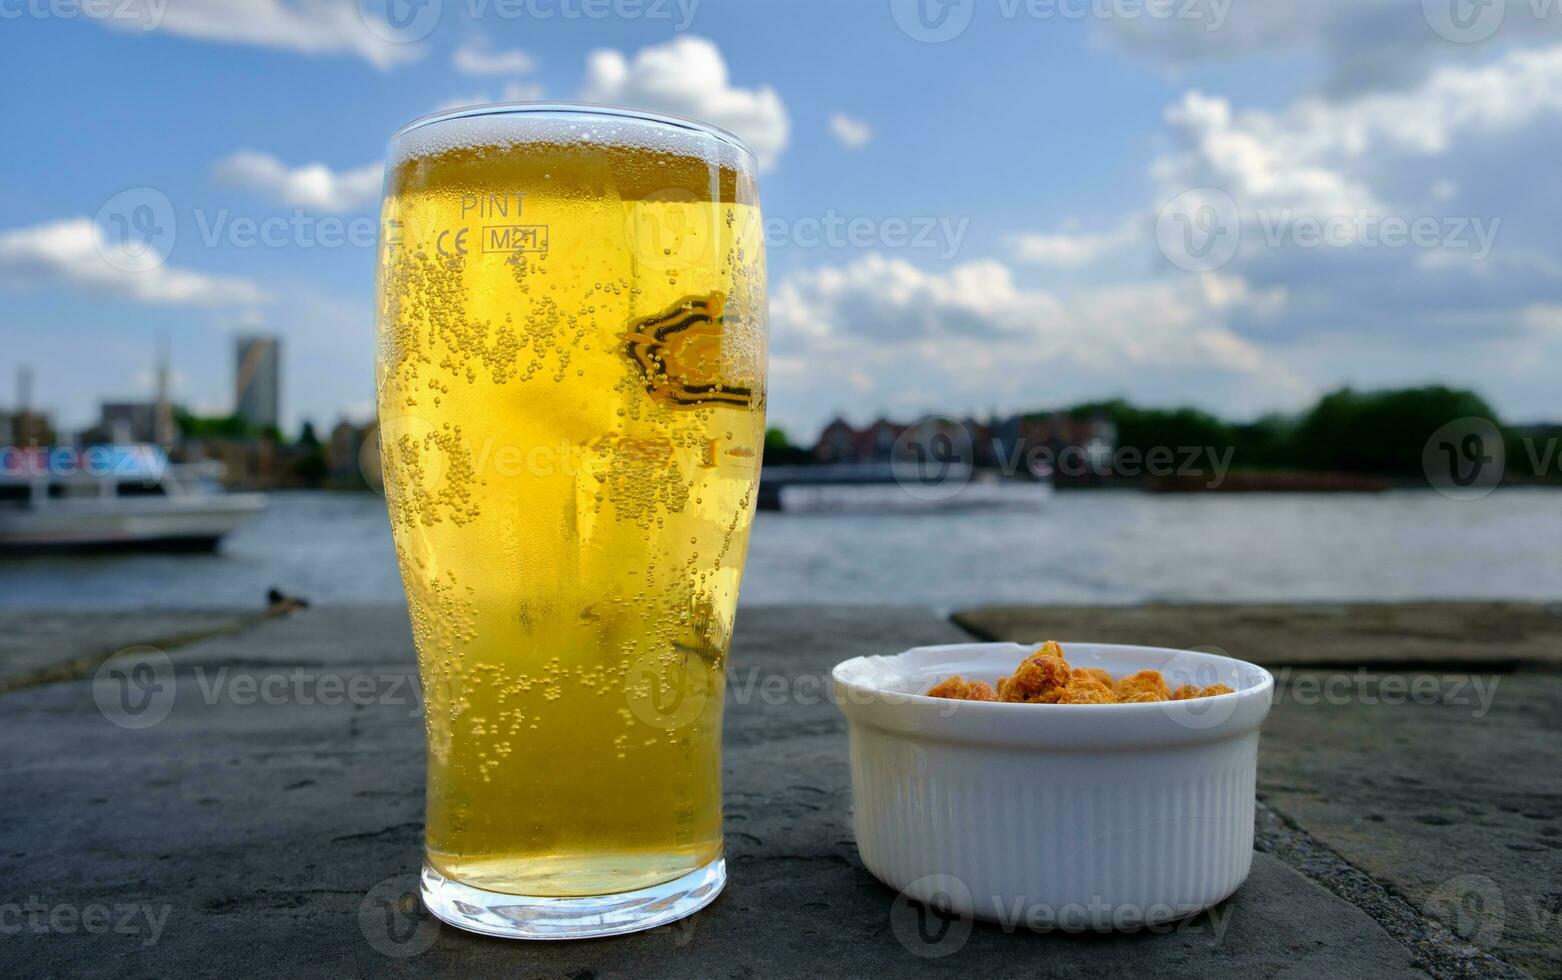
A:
[1054, 816]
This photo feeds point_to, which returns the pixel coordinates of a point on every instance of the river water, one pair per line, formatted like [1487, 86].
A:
[1081, 547]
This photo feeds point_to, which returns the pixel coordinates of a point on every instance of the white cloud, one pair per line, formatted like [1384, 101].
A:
[243, 320]
[879, 334]
[1544, 319]
[1315, 156]
[688, 77]
[314, 186]
[1074, 250]
[877, 300]
[76, 252]
[1363, 44]
[512, 92]
[854, 134]
[313, 27]
[476, 58]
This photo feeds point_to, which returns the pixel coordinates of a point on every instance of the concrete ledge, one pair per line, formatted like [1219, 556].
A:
[47, 646]
[234, 834]
[1489, 635]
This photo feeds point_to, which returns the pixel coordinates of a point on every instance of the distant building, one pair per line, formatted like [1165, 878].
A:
[837, 443]
[25, 427]
[1056, 432]
[344, 454]
[122, 422]
[840, 443]
[257, 381]
[1009, 443]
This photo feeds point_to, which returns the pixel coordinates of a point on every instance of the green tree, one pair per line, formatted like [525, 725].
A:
[1382, 432]
[192, 426]
[779, 449]
[1146, 428]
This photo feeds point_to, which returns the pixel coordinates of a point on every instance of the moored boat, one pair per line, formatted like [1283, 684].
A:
[108, 497]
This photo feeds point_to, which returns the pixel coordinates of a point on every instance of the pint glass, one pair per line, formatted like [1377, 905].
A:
[571, 385]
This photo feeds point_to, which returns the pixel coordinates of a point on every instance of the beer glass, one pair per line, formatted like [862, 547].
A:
[571, 384]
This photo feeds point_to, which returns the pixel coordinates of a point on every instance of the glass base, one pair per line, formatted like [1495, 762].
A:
[583, 917]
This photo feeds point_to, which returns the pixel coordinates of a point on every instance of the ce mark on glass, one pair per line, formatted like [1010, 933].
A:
[451, 244]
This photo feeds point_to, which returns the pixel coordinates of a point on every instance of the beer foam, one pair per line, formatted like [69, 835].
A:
[508, 127]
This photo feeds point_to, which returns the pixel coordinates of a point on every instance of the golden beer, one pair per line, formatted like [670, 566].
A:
[571, 385]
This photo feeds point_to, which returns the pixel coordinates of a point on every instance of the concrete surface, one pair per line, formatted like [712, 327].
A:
[283, 833]
[1490, 635]
[50, 646]
[1455, 808]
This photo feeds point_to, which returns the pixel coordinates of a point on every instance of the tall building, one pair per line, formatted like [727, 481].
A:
[24, 427]
[257, 380]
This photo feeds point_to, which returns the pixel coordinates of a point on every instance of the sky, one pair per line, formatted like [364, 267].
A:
[971, 206]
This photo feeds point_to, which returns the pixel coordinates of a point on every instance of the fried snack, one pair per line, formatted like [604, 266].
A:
[1037, 679]
[1146, 685]
[1045, 677]
[960, 689]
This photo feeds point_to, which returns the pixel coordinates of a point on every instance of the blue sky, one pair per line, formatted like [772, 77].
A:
[1062, 149]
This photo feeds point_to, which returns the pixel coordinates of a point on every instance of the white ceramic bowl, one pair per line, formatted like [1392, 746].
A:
[1054, 816]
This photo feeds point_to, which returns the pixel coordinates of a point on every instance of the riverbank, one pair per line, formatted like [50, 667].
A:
[1407, 821]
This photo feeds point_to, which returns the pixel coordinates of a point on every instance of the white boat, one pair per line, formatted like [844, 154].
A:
[127, 496]
[878, 487]
[882, 498]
